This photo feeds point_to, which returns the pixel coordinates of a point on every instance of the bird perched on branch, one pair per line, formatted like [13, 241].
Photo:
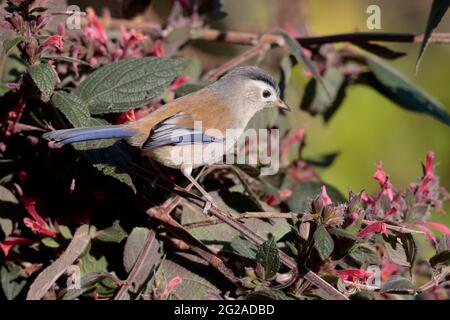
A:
[196, 129]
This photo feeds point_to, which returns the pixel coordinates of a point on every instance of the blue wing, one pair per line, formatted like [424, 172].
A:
[173, 131]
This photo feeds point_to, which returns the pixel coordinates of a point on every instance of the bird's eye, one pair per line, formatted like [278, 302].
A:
[266, 94]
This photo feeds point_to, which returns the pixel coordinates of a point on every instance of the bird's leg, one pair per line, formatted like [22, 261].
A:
[187, 172]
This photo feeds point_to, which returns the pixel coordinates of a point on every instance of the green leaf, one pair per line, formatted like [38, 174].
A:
[45, 79]
[318, 101]
[141, 256]
[198, 278]
[9, 212]
[399, 285]
[267, 294]
[397, 88]
[323, 242]
[73, 108]
[127, 84]
[65, 232]
[437, 12]
[267, 256]
[115, 233]
[91, 262]
[305, 192]
[401, 249]
[416, 213]
[440, 258]
[240, 201]
[108, 157]
[364, 254]
[296, 50]
[133, 246]
[397, 254]
[244, 248]
[11, 281]
[50, 242]
[10, 43]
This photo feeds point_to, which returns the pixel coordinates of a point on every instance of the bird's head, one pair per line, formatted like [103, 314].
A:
[252, 87]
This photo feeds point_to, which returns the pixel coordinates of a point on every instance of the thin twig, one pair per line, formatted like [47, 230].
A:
[436, 280]
[245, 215]
[252, 39]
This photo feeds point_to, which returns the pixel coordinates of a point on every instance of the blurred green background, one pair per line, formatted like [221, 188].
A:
[367, 127]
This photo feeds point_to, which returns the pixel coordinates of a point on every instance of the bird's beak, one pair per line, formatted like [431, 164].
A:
[282, 105]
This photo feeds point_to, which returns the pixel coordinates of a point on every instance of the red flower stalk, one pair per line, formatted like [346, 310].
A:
[156, 50]
[178, 82]
[95, 30]
[353, 274]
[55, 40]
[299, 135]
[325, 197]
[376, 227]
[38, 225]
[7, 244]
[439, 226]
[383, 179]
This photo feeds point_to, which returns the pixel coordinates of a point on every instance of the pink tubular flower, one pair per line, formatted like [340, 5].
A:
[439, 226]
[14, 117]
[429, 164]
[178, 82]
[299, 135]
[427, 231]
[10, 242]
[171, 285]
[428, 189]
[128, 116]
[286, 193]
[156, 50]
[376, 227]
[388, 270]
[38, 225]
[391, 213]
[130, 38]
[95, 30]
[97, 297]
[55, 40]
[272, 200]
[353, 274]
[383, 180]
[366, 198]
[380, 175]
[325, 197]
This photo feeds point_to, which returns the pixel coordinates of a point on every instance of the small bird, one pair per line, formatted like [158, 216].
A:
[196, 129]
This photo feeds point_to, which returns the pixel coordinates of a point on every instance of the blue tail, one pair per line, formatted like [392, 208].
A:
[68, 136]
